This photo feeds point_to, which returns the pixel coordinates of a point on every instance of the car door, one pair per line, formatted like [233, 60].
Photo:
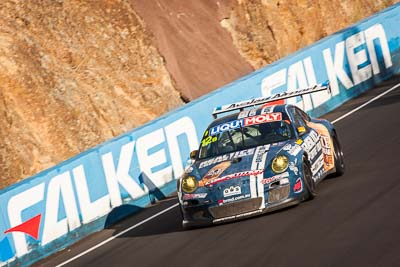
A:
[310, 140]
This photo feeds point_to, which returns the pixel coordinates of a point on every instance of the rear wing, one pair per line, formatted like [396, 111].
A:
[263, 100]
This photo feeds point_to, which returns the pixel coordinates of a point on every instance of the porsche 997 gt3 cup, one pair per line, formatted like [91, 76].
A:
[258, 160]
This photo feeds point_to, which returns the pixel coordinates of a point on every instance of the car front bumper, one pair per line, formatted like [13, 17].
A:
[200, 216]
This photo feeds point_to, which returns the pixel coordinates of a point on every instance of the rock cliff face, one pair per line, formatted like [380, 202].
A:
[267, 30]
[76, 73]
[72, 75]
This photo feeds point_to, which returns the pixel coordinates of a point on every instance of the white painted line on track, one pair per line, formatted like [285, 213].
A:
[366, 103]
[176, 204]
[117, 235]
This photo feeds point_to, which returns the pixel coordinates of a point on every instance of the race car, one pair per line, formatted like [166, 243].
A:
[257, 160]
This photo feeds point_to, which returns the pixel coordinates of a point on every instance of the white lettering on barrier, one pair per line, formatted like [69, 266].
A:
[89, 210]
[183, 126]
[300, 74]
[60, 186]
[377, 33]
[318, 98]
[358, 58]
[297, 79]
[335, 68]
[148, 161]
[16, 205]
[360, 50]
[60, 189]
[120, 175]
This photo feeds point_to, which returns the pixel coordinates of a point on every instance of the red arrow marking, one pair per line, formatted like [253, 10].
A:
[30, 227]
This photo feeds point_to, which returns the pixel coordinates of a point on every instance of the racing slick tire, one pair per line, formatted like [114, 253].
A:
[309, 183]
[338, 156]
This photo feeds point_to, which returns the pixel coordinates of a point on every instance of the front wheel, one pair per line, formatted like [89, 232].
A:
[308, 181]
[339, 158]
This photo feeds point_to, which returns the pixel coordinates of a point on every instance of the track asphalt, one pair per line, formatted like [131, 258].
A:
[354, 221]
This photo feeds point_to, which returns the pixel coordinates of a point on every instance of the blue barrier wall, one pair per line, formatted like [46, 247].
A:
[59, 206]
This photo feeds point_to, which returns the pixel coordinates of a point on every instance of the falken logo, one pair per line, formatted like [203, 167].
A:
[348, 63]
[59, 205]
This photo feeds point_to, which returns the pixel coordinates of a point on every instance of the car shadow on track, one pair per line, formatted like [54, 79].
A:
[171, 222]
[168, 222]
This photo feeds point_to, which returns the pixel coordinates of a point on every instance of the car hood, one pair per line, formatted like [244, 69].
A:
[243, 163]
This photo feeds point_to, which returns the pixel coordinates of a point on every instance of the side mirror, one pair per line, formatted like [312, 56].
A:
[193, 154]
[301, 130]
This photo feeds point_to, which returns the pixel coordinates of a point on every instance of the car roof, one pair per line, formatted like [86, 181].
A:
[234, 116]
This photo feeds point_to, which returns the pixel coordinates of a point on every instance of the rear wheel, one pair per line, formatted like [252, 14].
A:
[309, 182]
[339, 158]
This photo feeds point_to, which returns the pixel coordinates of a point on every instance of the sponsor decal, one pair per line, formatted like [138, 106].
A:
[319, 163]
[274, 178]
[298, 186]
[260, 154]
[293, 167]
[232, 191]
[327, 150]
[226, 157]
[194, 196]
[223, 201]
[319, 174]
[310, 140]
[247, 113]
[263, 118]
[325, 144]
[189, 170]
[237, 216]
[225, 127]
[292, 149]
[215, 172]
[299, 141]
[312, 144]
[314, 151]
[268, 109]
[232, 176]
[282, 181]
[208, 140]
[258, 163]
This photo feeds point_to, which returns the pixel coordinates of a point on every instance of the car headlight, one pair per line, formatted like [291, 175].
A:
[189, 184]
[279, 164]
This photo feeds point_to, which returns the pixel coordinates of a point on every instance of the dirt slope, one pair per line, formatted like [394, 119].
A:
[199, 53]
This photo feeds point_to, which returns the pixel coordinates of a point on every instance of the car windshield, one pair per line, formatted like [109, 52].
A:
[223, 139]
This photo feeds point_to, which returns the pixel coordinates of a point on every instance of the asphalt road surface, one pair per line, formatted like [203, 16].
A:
[354, 221]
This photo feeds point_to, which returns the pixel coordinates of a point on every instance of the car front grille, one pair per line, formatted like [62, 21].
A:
[236, 208]
[278, 194]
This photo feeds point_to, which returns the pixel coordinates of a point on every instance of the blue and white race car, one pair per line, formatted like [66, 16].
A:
[258, 160]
